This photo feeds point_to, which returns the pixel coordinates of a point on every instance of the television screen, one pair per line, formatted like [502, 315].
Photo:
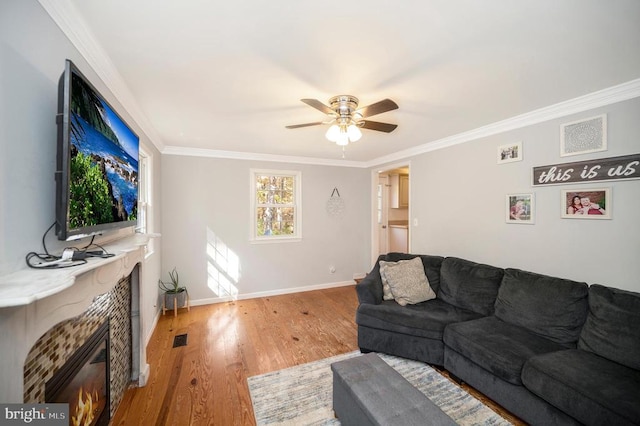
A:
[97, 160]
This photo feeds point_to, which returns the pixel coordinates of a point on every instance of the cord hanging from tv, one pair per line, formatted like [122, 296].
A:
[97, 162]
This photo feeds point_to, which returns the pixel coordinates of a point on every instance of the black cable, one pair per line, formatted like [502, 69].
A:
[48, 260]
[104, 255]
[44, 245]
[93, 237]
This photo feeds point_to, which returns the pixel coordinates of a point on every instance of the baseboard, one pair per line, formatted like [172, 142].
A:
[210, 301]
[143, 377]
[145, 369]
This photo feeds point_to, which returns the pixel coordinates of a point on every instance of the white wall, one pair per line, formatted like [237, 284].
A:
[207, 194]
[32, 54]
[458, 196]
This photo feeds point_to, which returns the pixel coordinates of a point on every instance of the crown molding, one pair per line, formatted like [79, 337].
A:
[608, 96]
[252, 156]
[66, 16]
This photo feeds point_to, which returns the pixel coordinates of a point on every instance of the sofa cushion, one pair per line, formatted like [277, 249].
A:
[589, 388]
[408, 282]
[431, 265]
[498, 347]
[612, 325]
[386, 290]
[427, 319]
[553, 308]
[469, 285]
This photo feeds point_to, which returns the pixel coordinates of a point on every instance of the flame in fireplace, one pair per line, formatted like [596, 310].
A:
[84, 412]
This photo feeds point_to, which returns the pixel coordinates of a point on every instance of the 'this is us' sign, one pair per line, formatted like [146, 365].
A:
[613, 168]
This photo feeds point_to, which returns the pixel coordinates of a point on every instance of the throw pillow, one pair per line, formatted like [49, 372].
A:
[408, 282]
[386, 290]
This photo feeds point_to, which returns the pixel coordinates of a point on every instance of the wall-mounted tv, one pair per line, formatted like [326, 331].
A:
[97, 162]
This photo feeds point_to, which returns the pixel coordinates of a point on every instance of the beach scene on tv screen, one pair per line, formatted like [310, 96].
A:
[103, 185]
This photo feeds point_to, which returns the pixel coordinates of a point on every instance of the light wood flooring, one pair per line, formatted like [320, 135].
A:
[205, 382]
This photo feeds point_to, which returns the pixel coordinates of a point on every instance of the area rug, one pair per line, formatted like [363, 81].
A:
[302, 395]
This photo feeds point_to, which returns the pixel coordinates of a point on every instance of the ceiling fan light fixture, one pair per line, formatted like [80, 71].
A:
[333, 133]
[347, 119]
[343, 138]
[354, 133]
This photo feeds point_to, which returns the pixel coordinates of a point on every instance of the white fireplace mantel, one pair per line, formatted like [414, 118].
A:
[28, 285]
[34, 300]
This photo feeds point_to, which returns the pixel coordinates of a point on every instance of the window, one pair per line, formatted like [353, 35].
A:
[144, 197]
[276, 205]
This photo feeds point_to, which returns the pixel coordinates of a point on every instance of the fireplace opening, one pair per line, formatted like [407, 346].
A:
[83, 381]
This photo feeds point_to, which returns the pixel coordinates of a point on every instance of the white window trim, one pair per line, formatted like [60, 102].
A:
[297, 237]
[145, 198]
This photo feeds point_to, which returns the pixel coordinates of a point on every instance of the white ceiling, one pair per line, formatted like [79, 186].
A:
[229, 75]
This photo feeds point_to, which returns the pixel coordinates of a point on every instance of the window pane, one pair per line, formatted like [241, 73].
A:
[274, 189]
[275, 221]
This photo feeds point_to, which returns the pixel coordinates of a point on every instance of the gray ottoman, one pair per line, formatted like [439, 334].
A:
[367, 391]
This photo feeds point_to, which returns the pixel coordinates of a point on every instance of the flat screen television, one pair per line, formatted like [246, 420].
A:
[97, 162]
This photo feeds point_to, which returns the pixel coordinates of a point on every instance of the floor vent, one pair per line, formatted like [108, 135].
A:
[180, 340]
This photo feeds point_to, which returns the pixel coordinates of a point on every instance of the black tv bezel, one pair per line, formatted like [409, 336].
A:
[63, 161]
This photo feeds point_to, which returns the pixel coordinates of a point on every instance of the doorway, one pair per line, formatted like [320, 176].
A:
[391, 210]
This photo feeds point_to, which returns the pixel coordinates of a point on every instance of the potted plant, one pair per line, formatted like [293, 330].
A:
[175, 295]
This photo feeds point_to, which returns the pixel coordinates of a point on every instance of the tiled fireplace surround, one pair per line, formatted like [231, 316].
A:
[39, 336]
[54, 348]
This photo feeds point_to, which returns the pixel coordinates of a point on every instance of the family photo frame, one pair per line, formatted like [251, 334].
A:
[586, 203]
[510, 152]
[519, 209]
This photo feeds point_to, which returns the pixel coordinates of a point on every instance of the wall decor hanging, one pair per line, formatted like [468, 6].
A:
[603, 169]
[587, 203]
[335, 204]
[583, 136]
[510, 152]
[519, 209]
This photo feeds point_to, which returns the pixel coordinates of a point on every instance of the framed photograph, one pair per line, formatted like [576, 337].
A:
[510, 152]
[584, 136]
[519, 209]
[586, 203]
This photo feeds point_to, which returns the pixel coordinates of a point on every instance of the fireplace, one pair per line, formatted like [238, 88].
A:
[83, 381]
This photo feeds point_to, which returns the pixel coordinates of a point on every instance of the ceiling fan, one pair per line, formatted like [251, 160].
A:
[347, 119]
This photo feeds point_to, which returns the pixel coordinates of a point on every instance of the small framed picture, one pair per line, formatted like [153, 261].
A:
[584, 136]
[510, 152]
[586, 203]
[519, 209]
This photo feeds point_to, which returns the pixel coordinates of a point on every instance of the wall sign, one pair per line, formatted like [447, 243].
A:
[614, 168]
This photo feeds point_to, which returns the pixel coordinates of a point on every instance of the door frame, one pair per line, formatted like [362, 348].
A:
[373, 208]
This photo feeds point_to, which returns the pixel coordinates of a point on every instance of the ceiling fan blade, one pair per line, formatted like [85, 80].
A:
[319, 106]
[377, 108]
[376, 125]
[295, 126]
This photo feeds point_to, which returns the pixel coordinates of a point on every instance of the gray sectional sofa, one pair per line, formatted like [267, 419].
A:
[549, 350]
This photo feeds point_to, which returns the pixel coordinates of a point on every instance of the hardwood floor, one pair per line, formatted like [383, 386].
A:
[205, 382]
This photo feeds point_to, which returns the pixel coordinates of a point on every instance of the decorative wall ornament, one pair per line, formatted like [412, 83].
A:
[583, 136]
[510, 152]
[603, 169]
[520, 209]
[335, 204]
[587, 203]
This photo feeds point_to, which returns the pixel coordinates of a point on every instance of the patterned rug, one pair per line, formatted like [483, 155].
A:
[302, 395]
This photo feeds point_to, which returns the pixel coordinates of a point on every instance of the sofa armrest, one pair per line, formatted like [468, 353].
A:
[369, 290]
